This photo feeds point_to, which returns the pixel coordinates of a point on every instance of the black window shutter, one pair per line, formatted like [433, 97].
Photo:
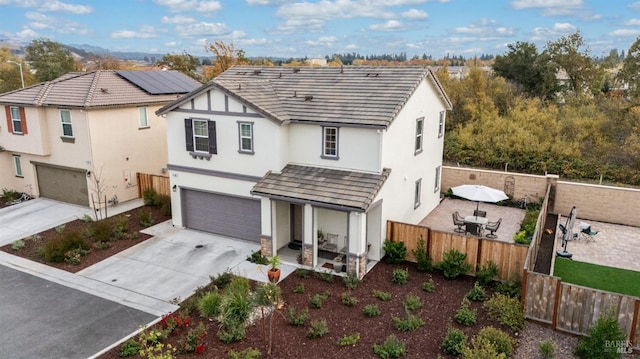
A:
[213, 145]
[188, 130]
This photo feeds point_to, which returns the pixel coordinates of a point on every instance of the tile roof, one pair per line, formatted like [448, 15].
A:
[323, 187]
[102, 88]
[357, 95]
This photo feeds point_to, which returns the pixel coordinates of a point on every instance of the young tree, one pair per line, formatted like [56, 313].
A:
[226, 57]
[10, 77]
[630, 72]
[185, 63]
[49, 59]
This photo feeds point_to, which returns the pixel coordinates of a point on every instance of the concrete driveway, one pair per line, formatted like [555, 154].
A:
[34, 216]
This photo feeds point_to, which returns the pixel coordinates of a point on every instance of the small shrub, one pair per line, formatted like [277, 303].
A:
[486, 273]
[257, 258]
[400, 276]
[73, 256]
[99, 231]
[120, 226]
[477, 293]
[351, 280]
[510, 288]
[318, 329]
[249, 353]
[151, 197]
[55, 250]
[408, 324]
[424, 262]
[349, 340]
[453, 264]
[481, 348]
[317, 300]
[324, 276]
[10, 194]
[194, 340]
[299, 289]
[382, 295]
[165, 204]
[209, 305]
[454, 341]
[222, 280]
[303, 273]
[297, 318]
[59, 229]
[506, 311]
[547, 349]
[503, 343]
[465, 315]
[391, 348]
[605, 329]
[17, 245]
[130, 348]
[396, 252]
[145, 218]
[521, 238]
[428, 286]
[371, 310]
[231, 332]
[86, 218]
[412, 302]
[348, 299]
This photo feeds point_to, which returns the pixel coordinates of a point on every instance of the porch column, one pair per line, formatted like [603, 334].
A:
[267, 244]
[309, 246]
[357, 254]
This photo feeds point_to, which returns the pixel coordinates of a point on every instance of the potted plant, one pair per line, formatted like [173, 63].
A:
[274, 271]
[320, 236]
[337, 263]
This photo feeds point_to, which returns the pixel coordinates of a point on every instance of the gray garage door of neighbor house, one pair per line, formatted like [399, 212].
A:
[63, 184]
[220, 214]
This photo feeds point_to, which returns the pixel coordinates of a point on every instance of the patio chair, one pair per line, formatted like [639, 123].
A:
[493, 227]
[587, 233]
[458, 221]
[478, 213]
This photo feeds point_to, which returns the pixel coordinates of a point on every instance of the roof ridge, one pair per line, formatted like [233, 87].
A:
[42, 94]
[92, 88]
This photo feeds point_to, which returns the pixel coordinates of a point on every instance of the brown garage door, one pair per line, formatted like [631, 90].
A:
[63, 184]
[220, 214]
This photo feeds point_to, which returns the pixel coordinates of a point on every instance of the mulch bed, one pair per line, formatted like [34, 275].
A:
[291, 341]
[95, 255]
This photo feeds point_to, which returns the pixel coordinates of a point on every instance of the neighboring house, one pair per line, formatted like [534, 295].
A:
[279, 155]
[61, 137]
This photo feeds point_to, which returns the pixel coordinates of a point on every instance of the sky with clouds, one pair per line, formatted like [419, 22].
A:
[315, 28]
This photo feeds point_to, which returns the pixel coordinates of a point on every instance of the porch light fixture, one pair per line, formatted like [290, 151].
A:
[174, 188]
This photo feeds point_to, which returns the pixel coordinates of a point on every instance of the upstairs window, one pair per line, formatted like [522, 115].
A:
[441, 124]
[419, 135]
[142, 116]
[67, 128]
[330, 142]
[417, 193]
[16, 121]
[437, 184]
[200, 136]
[245, 133]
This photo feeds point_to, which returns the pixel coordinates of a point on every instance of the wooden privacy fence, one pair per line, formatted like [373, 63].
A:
[160, 184]
[509, 257]
[573, 308]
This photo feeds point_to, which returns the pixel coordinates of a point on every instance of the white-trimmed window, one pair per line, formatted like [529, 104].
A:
[17, 165]
[245, 137]
[16, 121]
[330, 142]
[142, 116]
[65, 119]
[437, 184]
[419, 135]
[441, 124]
[416, 193]
[201, 135]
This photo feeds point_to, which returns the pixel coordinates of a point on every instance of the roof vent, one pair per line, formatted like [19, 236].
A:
[308, 98]
[295, 93]
[257, 72]
[296, 70]
[279, 76]
[341, 69]
[373, 75]
[104, 90]
[239, 86]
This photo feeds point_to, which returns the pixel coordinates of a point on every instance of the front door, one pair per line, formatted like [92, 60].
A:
[297, 218]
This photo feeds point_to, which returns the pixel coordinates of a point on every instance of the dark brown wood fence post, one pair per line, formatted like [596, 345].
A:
[556, 304]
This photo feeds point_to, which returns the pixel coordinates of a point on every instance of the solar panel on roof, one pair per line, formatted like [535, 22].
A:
[161, 82]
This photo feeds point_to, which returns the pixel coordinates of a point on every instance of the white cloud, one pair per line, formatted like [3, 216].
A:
[635, 5]
[528, 4]
[177, 19]
[488, 28]
[202, 29]
[351, 47]
[60, 25]
[564, 27]
[250, 42]
[145, 32]
[27, 34]
[633, 22]
[206, 7]
[625, 32]
[171, 43]
[295, 25]
[390, 25]
[64, 7]
[557, 30]
[266, 2]
[415, 14]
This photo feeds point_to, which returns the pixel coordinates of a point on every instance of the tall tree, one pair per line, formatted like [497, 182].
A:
[185, 63]
[10, 77]
[49, 59]
[630, 73]
[226, 57]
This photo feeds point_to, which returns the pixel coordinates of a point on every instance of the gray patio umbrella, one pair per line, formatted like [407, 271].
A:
[479, 193]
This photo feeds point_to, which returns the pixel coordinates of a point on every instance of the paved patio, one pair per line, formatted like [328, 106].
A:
[615, 245]
[440, 218]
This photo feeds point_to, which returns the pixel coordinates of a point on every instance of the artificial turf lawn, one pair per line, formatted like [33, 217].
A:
[598, 277]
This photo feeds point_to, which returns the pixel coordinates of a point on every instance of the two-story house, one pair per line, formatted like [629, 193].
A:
[85, 134]
[316, 158]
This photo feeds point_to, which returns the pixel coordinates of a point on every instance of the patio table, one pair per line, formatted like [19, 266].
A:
[474, 224]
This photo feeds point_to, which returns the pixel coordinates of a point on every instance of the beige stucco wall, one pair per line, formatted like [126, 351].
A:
[616, 205]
